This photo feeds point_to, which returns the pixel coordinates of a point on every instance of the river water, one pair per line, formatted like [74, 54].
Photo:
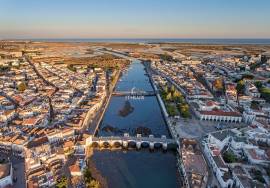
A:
[132, 168]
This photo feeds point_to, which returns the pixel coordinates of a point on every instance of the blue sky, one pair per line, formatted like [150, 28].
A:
[134, 19]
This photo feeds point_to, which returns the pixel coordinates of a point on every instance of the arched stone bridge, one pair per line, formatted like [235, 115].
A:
[124, 141]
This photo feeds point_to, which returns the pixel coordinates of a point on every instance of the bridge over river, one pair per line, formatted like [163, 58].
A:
[138, 140]
[134, 93]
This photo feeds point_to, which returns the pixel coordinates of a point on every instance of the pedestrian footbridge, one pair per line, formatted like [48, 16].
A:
[134, 93]
[125, 141]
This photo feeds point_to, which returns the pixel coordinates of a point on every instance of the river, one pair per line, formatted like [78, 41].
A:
[132, 168]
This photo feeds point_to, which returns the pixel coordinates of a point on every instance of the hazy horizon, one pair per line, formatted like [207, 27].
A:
[133, 38]
[127, 19]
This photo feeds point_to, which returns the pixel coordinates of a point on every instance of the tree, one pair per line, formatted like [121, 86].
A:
[166, 57]
[21, 87]
[166, 89]
[94, 184]
[62, 183]
[172, 88]
[258, 175]
[4, 68]
[176, 94]
[255, 104]
[171, 110]
[258, 84]
[87, 175]
[229, 157]
[169, 97]
[180, 99]
[240, 87]
[265, 92]
[72, 68]
[218, 84]
[184, 110]
[90, 182]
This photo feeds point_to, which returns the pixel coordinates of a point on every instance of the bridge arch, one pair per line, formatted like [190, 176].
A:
[145, 144]
[117, 144]
[132, 143]
[105, 144]
[95, 144]
[157, 145]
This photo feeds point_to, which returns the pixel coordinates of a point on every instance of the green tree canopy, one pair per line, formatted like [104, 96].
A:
[166, 89]
[62, 183]
[240, 87]
[176, 94]
[172, 88]
[21, 87]
[169, 97]
[94, 184]
[184, 110]
[218, 84]
[229, 157]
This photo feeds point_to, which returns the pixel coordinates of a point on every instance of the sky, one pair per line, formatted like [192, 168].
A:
[26, 19]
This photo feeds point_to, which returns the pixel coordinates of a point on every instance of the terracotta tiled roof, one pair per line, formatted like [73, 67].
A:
[220, 113]
[30, 121]
[69, 144]
[74, 168]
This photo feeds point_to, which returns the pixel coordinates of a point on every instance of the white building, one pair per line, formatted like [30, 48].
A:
[219, 115]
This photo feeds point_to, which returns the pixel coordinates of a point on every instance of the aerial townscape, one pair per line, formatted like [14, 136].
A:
[134, 94]
[66, 106]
